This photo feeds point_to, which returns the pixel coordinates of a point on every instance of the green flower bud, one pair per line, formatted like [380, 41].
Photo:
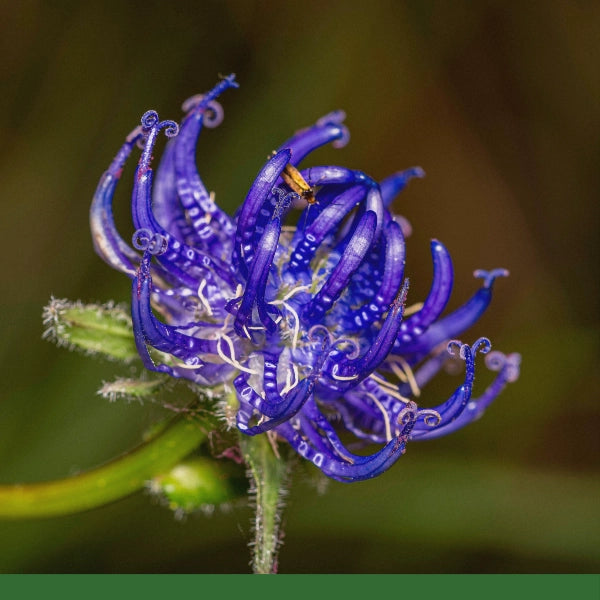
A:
[93, 328]
[200, 483]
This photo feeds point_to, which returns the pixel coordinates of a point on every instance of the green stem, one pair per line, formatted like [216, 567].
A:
[268, 474]
[112, 481]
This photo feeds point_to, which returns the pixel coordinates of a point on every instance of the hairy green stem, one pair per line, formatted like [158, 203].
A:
[268, 475]
[112, 481]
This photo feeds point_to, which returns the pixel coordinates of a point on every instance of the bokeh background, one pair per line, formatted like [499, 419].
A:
[499, 103]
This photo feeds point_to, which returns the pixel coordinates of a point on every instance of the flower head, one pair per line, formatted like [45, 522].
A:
[309, 323]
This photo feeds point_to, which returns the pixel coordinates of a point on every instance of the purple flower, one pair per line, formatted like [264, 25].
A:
[308, 322]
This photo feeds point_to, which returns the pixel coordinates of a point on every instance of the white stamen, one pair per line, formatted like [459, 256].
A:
[291, 293]
[289, 384]
[337, 377]
[386, 418]
[398, 372]
[228, 317]
[226, 325]
[239, 292]
[412, 309]
[282, 301]
[232, 361]
[389, 388]
[380, 380]
[203, 298]
[296, 325]
[206, 219]
[182, 365]
[414, 388]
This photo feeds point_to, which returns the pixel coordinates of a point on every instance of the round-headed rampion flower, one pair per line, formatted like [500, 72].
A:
[308, 322]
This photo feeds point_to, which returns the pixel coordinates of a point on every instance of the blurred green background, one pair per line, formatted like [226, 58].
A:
[497, 101]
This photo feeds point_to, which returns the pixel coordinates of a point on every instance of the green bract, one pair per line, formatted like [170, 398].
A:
[103, 329]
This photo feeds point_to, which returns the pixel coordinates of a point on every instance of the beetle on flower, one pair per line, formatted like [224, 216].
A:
[309, 323]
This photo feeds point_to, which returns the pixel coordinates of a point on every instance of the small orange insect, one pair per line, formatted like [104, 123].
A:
[293, 178]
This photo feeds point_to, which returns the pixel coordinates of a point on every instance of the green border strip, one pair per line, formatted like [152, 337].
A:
[436, 587]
